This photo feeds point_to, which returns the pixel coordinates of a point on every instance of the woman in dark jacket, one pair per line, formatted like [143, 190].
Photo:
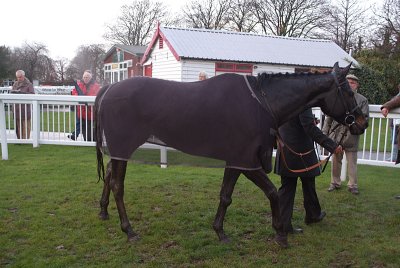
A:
[298, 136]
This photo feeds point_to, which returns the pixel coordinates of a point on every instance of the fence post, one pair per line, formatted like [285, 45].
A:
[163, 156]
[35, 123]
[343, 172]
[3, 132]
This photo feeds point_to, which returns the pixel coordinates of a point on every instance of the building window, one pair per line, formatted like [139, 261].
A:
[244, 67]
[115, 72]
[228, 67]
[160, 43]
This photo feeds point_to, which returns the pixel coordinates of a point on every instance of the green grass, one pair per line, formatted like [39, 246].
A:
[49, 205]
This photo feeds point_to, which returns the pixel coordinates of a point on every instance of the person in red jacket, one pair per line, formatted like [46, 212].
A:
[86, 87]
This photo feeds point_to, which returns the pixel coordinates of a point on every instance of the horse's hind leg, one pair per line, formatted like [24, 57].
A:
[230, 178]
[118, 170]
[105, 197]
[259, 178]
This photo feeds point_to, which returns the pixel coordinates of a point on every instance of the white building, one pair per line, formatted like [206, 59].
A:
[180, 54]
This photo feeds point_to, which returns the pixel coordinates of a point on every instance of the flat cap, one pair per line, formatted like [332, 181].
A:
[352, 77]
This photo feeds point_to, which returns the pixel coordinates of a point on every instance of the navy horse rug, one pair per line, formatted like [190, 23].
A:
[216, 118]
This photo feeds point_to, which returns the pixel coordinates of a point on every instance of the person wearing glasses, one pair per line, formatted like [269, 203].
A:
[84, 113]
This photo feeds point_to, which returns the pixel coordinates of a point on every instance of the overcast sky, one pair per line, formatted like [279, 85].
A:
[63, 25]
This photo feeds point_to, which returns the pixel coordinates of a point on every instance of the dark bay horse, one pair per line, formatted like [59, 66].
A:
[228, 117]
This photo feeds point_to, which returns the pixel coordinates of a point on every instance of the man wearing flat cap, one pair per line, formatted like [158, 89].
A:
[341, 134]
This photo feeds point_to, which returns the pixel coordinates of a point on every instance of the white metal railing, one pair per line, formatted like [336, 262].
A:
[377, 145]
[53, 119]
[53, 90]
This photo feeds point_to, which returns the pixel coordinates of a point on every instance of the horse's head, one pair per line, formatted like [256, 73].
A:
[341, 104]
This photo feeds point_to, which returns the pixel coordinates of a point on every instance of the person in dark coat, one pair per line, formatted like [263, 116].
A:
[298, 136]
[385, 109]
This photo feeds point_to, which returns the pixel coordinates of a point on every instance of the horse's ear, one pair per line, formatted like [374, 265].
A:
[336, 67]
[347, 69]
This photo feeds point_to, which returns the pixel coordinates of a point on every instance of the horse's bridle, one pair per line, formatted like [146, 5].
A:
[350, 118]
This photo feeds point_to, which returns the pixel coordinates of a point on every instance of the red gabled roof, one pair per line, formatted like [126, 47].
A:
[156, 35]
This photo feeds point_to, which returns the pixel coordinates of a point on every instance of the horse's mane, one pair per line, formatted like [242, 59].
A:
[261, 77]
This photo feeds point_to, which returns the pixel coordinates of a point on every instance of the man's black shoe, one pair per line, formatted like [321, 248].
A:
[315, 220]
[72, 137]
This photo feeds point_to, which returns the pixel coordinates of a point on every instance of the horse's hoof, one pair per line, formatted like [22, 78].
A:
[281, 240]
[103, 216]
[133, 238]
[224, 239]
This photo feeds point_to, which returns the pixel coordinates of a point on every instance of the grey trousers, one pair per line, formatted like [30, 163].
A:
[351, 169]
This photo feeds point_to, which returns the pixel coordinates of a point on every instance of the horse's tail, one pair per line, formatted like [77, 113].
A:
[99, 132]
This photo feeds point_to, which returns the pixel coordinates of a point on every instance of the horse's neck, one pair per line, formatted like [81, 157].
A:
[289, 101]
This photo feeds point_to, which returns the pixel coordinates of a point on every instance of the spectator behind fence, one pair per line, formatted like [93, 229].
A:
[385, 109]
[22, 112]
[298, 159]
[395, 125]
[202, 76]
[87, 87]
[341, 134]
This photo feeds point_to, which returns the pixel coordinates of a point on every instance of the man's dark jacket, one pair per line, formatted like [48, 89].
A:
[299, 134]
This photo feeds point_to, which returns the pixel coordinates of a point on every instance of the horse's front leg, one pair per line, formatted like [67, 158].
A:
[230, 178]
[105, 197]
[118, 170]
[259, 178]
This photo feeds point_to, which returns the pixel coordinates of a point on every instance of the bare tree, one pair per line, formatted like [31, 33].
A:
[136, 23]
[88, 58]
[386, 38]
[60, 66]
[347, 24]
[241, 17]
[295, 18]
[208, 14]
[46, 71]
[391, 14]
[33, 59]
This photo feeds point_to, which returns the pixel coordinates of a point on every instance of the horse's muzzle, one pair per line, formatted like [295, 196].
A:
[358, 128]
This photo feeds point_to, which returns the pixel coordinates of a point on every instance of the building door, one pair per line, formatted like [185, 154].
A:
[148, 70]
